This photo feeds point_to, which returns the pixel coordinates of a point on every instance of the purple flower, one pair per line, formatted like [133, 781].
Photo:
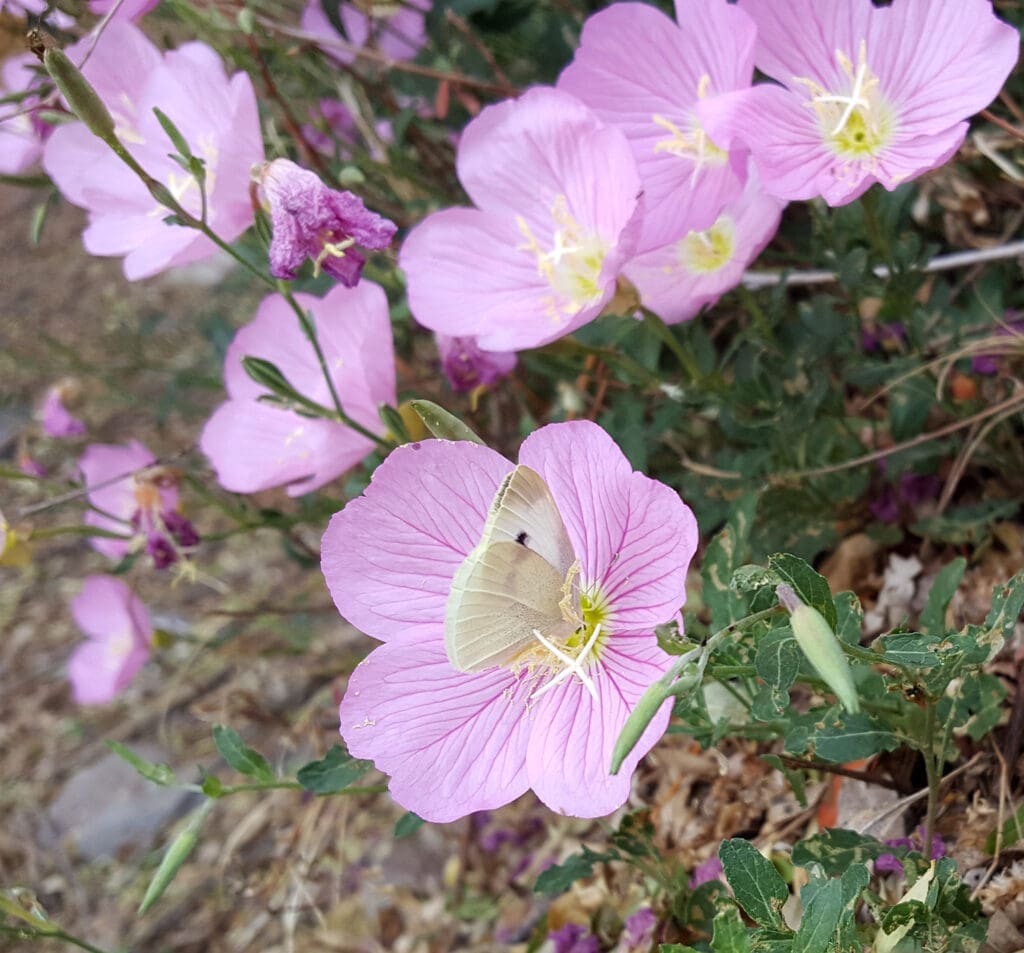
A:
[638, 932]
[398, 30]
[988, 364]
[609, 559]
[30, 466]
[868, 93]
[467, 366]
[890, 863]
[879, 337]
[56, 420]
[118, 637]
[912, 490]
[705, 872]
[254, 445]
[572, 938]
[129, 9]
[134, 497]
[312, 221]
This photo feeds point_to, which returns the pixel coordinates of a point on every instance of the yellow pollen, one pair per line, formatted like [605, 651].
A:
[331, 250]
[571, 266]
[708, 251]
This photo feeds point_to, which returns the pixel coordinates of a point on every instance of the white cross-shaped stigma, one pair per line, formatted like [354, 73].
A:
[573, 666]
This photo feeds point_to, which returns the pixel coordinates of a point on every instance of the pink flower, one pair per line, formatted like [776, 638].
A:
[22, 134]
[870, 94]
[36, 8]
[217, 117]
[678, 279]
[557, 214]
[312, 221]
[56, 420]
[638, 932]
[254, 445]
[455, 742]
[129, 9]
[706, 871]
[118, 636]
[645, 75]
[133, 497]
[468, 367]
[398, 30]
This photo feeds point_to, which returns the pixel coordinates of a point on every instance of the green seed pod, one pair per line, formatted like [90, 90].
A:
[83, 99]
[177, 853]
[821, 647]
[637, 722]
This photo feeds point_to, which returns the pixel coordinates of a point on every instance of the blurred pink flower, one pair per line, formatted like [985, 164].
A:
[638, 932]
[118, 636]
[557, 214]
[28, 465]
[455, 742]
[678, 279]
[36, 8]
[129, 9]
[870, 94]
[133, 497]
[573, 938]
[398, 30]
[644, 74]
[22, 135]
[216, 115]
[467, 367]
[706, 871]
[313, 221]
[254, 445]
[56, 420]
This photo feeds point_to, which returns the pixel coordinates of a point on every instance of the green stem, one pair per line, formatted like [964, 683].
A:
[295, 786]
[28, 933]
[664, 332]
[77, 531]
[879, 239]
[933, 769]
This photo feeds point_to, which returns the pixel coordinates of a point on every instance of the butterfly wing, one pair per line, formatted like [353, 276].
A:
[512, 582]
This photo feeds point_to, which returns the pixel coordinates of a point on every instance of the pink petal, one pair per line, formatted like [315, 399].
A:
[634, 536]
[389, 556]
[452, 743]
[105, 605]
[572, 736]
[114, 465]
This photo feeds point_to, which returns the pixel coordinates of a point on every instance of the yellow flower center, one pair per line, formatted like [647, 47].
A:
[571, 266]
[702, 253]
[691, 143]
[855, 120]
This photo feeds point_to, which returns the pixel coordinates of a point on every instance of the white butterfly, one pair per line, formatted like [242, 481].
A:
[515, 590]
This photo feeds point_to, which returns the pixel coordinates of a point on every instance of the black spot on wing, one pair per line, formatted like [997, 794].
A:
[521, 538]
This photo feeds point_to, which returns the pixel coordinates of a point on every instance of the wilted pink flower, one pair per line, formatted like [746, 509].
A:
[678, 279]
[644, 74]
[638, 932]
[870, 94]
[890, 863]
[398, 30]
[455, 742]
[22, 133]
[573, 938]
[55, 418]
[557, 214]
[312, 221]
[254, 445]
[706, 871]
[216, 115]
[466, 366]
[133, 497]
[129, 9]
[118, 635]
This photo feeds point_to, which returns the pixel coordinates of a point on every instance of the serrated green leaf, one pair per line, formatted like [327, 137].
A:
[1007, 603]
[820, 920]
[839, 737]
[909, 650]
[729, 934]
[850, 618]
[810, 586]
[243, 759]
[442, 424]
[157, 773]
[755, 882]
[407, 824]
[332, 773]
[933, 618]
[778, 659]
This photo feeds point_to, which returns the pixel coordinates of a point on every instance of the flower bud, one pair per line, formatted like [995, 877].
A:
[84, 101]
[821, 647]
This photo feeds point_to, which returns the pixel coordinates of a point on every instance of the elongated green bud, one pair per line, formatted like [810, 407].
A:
[83, 99]
[821, 647]
[637, 722]
[177, 853]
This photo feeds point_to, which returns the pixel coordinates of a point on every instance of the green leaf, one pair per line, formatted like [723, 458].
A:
[157, 773]
[407, 824]
[909, 650]
[837, 850]
[392, 419]
[793, 776]
[844, 737]
[820, 920]
[755, 882]
[810, 586]
[174, 134]
[332, 773]
[729, 935]
[933, 618]
[850, 618]
[778, 659]
[560, 877]
[244, 760]
[442, 424]
[725, 554]
[1006, 607]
